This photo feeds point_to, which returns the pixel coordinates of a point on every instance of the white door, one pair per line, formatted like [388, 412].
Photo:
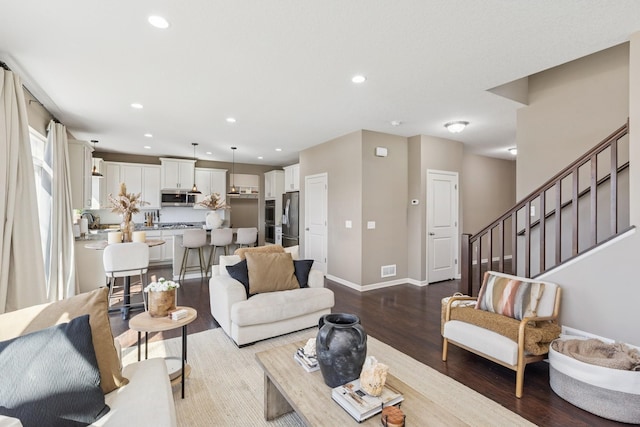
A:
[315, 220]
[442, 225]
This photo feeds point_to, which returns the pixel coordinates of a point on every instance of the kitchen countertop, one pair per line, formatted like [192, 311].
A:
[100, 234]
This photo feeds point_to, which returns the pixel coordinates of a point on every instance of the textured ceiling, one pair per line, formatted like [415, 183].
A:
[283, 68]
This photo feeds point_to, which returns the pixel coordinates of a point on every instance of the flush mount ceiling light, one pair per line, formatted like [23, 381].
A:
[233, 190]
[194, 189]
[137, 106]
[456, 127]
[94, 171]
[358, 78]
[158, 22]
[513, 151]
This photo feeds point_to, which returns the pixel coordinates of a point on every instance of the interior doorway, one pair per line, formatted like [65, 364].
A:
[315, 220]
[442, 225]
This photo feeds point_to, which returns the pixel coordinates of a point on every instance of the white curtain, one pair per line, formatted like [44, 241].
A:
[59, 258]
[21, 265]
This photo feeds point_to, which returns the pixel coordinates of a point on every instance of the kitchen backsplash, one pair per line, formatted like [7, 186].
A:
[167, 214]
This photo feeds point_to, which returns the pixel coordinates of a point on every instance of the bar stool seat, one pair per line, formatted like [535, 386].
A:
[220, 238]
[125, 260]
[193, 239]
[247, 236]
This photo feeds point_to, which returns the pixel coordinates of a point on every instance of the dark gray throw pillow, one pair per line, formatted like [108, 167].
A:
[240, 272]
[50, 377]
[302, 269]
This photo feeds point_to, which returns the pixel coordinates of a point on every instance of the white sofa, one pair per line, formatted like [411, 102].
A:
[266, 315]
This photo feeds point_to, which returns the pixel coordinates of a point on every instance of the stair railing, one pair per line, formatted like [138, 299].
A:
[509, 238]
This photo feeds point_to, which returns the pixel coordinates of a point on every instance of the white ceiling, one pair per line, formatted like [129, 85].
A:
[283, 68]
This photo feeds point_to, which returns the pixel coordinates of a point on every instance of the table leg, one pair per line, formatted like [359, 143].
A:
[139, 338]
[275, 404]
[184, 355]
[126, 298]
[146, 345]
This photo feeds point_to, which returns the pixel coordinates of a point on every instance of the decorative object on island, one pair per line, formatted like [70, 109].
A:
[373, 376]
[162, 297]
[214, 202]
[341, 347]
[126, 205]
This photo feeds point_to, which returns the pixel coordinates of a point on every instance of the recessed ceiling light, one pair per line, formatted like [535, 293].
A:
[358, 78]
[457, 126]
[209, 153]
[260, 157]
[396, 122]
[231, 120]
[137, 106]
[158, 22]
[278, 149]
[148, 135]
[513, 150]
[148, 147]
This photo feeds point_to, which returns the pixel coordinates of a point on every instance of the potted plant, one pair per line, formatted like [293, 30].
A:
[161, 296]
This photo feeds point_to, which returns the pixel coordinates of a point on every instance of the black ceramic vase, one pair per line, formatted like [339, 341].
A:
[341, 347]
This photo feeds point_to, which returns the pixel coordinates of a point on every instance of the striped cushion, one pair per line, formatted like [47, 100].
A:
[510, 296]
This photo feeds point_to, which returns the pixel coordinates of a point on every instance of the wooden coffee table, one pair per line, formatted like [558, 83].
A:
[143, 322]
[288, 387]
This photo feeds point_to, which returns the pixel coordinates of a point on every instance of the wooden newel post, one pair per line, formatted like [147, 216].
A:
[465, 264]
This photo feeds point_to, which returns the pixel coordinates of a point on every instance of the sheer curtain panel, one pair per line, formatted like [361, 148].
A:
[21, 265]
[59, 262]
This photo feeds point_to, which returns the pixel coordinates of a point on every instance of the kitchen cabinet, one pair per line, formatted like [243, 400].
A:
[177, 174]
[139, 178]
[246, 183]
[80, 164]
[273, 185]
[292, 178]
[211, 181]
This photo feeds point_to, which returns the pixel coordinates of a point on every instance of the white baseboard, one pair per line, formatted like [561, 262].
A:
[373, 286]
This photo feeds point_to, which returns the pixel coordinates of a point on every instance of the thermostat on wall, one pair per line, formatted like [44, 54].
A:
[381, 151]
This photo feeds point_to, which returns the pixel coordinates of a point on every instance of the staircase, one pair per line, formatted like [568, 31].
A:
[581, 207]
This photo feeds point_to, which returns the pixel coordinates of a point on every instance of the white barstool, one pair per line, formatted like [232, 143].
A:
[125, 260]
[247, 236]
[220, 238]
[193, 239]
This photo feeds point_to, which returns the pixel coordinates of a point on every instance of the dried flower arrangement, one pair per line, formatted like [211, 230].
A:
[214, 202]
[126, 204]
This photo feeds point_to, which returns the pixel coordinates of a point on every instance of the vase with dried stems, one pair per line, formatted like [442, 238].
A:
[126, 204]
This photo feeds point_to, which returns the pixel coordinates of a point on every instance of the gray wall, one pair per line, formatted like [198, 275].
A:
[341, 159]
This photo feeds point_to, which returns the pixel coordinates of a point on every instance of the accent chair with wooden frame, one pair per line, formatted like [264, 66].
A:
[512, 341]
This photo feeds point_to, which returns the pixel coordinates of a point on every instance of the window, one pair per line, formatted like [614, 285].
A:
[43, 191]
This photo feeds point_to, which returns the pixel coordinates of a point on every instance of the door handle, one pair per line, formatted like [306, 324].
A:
[307, 229]
[432, 234]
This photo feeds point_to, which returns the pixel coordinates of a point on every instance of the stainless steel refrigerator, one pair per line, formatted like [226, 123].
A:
[290, 230]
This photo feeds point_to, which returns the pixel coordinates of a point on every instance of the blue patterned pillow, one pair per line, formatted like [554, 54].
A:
[51, 378]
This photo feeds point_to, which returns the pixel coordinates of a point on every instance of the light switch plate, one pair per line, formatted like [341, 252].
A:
[371, 225]
[348, 224]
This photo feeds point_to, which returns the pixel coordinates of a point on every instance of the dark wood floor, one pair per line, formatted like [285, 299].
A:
[407, 317]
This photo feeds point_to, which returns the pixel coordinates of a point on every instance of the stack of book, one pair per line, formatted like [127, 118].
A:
[178, 314]
[308, 362]
[361, 405]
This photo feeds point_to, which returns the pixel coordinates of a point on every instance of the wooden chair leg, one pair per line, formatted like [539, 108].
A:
[520, 380]
[445, 349]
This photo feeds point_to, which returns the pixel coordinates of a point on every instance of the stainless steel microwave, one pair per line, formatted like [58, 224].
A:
[177, 198]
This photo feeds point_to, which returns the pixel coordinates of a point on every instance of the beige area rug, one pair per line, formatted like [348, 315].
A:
[226, 385]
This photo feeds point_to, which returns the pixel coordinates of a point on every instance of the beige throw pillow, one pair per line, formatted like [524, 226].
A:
[258, 249]
[95, 304]
[271, 272]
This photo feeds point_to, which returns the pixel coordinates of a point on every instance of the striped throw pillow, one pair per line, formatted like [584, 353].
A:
[510, 297]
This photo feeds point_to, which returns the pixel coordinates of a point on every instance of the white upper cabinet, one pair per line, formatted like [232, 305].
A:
[80, 163]
[98, 193]
[210, 181]
[292, 178]
[139, 178]
[177, 174]
[273, 185]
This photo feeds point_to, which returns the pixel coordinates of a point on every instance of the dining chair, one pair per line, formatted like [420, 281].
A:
[193, 239]
[247, 236]
[220, 238]
[125, 260]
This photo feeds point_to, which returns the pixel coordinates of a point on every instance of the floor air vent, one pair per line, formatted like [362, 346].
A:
[388, 270]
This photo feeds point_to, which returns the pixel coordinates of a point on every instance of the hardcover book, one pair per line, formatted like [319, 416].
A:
[309, 363]
[361, 405]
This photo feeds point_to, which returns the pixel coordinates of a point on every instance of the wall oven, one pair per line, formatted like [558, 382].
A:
[270, 221]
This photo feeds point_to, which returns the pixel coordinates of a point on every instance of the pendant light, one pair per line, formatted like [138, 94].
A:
[94, 171]
[234, 190]
[194, 189]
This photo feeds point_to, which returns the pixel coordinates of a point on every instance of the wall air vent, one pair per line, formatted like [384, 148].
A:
[388, 270]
